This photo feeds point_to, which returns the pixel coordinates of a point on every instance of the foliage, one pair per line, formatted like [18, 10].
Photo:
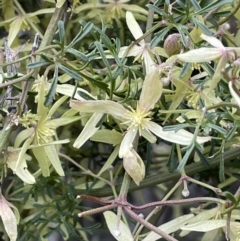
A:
[120, 98]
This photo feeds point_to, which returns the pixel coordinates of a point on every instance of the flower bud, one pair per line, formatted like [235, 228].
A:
[172, 44]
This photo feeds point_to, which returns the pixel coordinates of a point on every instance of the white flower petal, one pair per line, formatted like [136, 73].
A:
[134, 51]
[127, 142]
[88, 130]
[212, 40]
[8, 218]
[181, 137]
[99, 106]
[200, 55]
[22, 171]
[148, 61]
[133, 26]
[151, 91]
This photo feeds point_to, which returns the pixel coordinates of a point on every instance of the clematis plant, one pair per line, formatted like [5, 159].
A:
[204, 54]
[137, 122]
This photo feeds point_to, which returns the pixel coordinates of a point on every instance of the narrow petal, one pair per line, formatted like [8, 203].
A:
[212, 40]
[234, 92]
[43, 160]
[134, 51]
[69, 90]
[22, 171]
[200, 55]
[8, 218]
[151, 91]
[133, 26]
[88, 130]
[53, 157]
[127, 142]
[99, 106]
[148, 61]
[181, 137]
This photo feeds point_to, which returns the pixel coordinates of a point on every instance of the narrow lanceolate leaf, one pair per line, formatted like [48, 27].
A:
[8, 218]
[205, 226]
[52, 91]
[169, 227]
[120, 233]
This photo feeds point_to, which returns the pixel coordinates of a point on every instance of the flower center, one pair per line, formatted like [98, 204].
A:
[137, 119]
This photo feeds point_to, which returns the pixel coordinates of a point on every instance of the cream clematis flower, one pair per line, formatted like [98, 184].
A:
[142, 50]
[204, 54]
[138, 121]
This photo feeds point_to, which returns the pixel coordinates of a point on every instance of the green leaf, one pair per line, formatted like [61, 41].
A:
[61, 32]
[183, 37]
[196, 5]
[185, 69]
[202, 157]
[70, 72]
[212, 5]
[38, 64]
[103, 55]
[169, 227]
[230, 197]
[112, 220]
[171, 160]
[185, 158]
[87, 28]
[202, 26]
[52, 91]
[159, 37]
[78, 54]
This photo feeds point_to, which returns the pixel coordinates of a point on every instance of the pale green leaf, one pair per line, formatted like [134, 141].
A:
[169, 227]
[202, 216]
[14, 29]
[111, 220]
[112, 137]
[205, 226]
